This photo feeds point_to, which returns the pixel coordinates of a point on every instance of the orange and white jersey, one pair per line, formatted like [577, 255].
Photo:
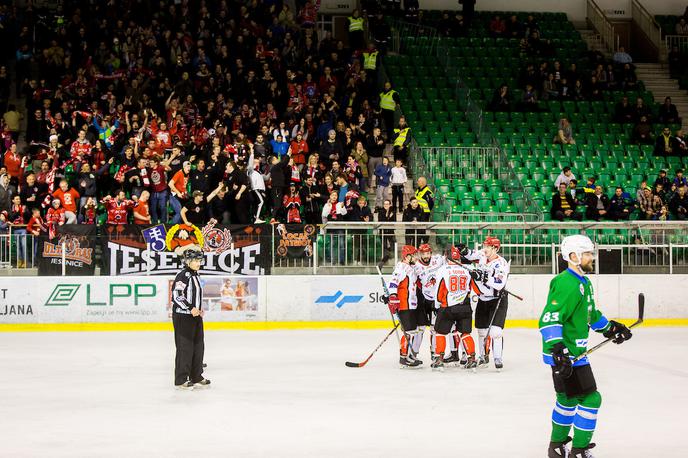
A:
[498, 271]
[427, 274]
[403, 284]
[454, 285]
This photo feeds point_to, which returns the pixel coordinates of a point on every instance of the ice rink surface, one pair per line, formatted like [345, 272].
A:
[288, 394]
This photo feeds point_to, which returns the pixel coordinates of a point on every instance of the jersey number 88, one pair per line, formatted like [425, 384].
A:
[457, 283]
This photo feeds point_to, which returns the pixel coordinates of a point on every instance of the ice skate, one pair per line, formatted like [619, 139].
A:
[186, 386]
[452, 360]
[582, 452]
[498, 364]
[414, 357]
[437, 363]
[483, 361]
[558, 449]
[406, 362]
[471, 363]
[203, 383]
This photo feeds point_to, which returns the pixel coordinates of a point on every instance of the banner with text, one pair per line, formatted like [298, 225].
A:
[295, 240]
[79, 242]
[229, 250]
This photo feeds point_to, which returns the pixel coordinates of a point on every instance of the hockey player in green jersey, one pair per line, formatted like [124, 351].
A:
[565, 322]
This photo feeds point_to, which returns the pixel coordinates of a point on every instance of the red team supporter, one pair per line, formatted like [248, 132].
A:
[117, 208]
[491, 277]
[81, 146]
[402, 301]
[55, 217]
[68, 198]
[452, 300]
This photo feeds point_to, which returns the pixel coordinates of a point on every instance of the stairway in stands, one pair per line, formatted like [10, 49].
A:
[657, 79]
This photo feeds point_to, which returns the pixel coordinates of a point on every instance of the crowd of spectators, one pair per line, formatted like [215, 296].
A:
[665, 199]
[146, 113]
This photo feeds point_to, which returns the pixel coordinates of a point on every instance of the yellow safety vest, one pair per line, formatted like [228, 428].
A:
[355, 24]
[370, 60]
[387, 100]
[420, 197]
[401, 138]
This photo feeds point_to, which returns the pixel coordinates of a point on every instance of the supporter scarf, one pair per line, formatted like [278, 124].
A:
[144, 177]
[119, 176]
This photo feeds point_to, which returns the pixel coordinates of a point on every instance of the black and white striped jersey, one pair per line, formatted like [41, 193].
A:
[186, 292]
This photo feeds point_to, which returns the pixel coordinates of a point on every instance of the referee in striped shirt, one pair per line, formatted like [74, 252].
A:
[187, 318]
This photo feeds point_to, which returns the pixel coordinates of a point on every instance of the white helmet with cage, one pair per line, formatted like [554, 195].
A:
[578, 244]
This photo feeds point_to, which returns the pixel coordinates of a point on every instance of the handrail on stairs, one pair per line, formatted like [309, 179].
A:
[647, 23]
[601, 24]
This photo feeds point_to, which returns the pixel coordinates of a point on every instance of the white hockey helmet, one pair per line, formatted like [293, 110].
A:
[578, 244]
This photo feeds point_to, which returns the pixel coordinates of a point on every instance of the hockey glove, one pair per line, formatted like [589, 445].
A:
[479, 275]
[562, 363]
[618, 332]
[463, 250]
[392, 302]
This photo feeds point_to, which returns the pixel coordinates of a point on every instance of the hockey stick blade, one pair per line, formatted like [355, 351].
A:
[641, 309]
[350, 364]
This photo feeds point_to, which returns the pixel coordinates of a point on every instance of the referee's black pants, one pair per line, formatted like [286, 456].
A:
[188, 338]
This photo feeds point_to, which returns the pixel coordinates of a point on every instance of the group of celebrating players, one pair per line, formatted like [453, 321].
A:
[434, 290]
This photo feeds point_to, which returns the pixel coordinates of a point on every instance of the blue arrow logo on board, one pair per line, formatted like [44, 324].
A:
[335, 297]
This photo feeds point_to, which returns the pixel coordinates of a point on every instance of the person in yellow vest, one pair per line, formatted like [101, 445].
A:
[402, 138]
[389, 99]
[426, 201]
[355, 31]
[370, 62]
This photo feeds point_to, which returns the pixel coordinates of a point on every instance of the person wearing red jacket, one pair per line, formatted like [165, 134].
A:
[36, 227]
[118, 208]
[55, 217]
[299, 150]
[81, 147]
[14, 163]
[292, 204]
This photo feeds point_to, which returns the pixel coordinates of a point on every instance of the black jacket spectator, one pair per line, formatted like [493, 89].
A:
[668, 114]
[564, 207]
[597, 205]
[678, 205]
[664, 143]
[624, 112]
[619, 208]
[360, 213]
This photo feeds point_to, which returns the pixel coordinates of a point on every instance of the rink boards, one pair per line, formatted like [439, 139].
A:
[289, 302]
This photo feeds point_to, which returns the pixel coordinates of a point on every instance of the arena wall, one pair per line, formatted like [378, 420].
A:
[290, 302]
[574, 9]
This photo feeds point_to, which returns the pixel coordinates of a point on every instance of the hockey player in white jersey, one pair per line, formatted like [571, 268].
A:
[453, 304]
[426, 269]
[491, 278]
[402, 301]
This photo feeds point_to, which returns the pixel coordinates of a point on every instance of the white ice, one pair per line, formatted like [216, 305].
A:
[288, 394]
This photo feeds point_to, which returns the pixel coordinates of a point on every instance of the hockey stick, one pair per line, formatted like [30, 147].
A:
[488, 339]
[386, 291]
[641, 313]
[513, 294]
[350, 364]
